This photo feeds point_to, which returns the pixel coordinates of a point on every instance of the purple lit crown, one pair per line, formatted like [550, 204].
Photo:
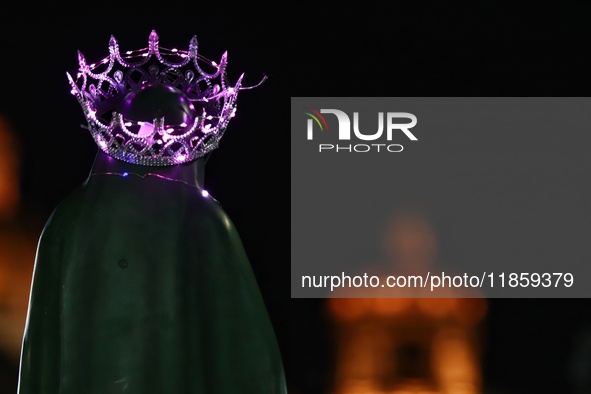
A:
[183, 109]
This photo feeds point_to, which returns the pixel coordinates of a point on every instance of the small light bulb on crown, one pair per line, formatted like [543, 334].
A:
[166, 136]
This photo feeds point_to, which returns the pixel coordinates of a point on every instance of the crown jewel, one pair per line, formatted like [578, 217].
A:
[156, 106]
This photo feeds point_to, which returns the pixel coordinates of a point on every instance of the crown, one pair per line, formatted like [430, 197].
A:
[156, 106]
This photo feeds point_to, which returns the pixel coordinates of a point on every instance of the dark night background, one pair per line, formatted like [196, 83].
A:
[307, 49]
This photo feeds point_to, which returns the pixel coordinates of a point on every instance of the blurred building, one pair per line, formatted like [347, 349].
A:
[578, 367]
[408, 344]
[18, 239]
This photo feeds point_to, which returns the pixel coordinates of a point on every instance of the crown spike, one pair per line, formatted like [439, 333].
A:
[239, 82]
[193, 47]
[113, 45]
[153, 42]
[71, 81]
[81, 60]
[222, 68]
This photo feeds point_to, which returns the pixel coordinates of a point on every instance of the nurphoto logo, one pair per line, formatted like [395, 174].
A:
[317, 122]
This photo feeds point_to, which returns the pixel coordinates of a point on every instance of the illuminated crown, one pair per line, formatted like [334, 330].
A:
[156, 106]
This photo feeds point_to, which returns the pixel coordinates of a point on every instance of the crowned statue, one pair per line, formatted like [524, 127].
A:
[141, 283]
